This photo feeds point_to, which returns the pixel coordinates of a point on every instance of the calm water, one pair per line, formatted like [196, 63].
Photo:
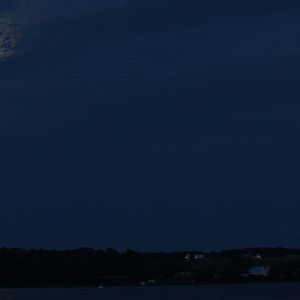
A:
[220, 292]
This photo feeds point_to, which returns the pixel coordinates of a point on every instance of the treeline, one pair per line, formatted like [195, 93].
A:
[266, 252]
[89, 267]
[82, 267]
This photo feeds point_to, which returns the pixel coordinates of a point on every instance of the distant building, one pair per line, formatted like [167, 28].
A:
[194, 256]
[185, 275]
[199, 256]
[252, 256]
[188, 257]
[259, 271]
[293, 256]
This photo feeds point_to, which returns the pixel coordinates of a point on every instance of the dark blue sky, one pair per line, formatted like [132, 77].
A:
[154, 125]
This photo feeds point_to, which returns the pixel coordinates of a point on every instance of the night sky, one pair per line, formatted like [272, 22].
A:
[149, 124]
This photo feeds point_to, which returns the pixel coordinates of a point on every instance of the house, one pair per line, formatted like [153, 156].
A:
[199, 256]
[259, 271]
[257, 256]
[252, 256]
[188, 257]
[194, 256]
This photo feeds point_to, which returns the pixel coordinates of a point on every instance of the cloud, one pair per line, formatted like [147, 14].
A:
[17, 17]
[117, 18]
[169, 59]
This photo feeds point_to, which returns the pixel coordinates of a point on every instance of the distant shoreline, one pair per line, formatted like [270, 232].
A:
[89, 268]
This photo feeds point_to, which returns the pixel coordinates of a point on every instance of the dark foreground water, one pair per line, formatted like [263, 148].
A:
[211, 292]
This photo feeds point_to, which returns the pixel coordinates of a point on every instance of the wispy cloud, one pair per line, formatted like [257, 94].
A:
[19, 16]
[13, 23]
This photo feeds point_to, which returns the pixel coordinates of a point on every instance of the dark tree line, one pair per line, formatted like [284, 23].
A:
[89, 267]
[82, 267]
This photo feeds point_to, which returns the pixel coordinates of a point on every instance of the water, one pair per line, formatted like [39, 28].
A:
[210, 292]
